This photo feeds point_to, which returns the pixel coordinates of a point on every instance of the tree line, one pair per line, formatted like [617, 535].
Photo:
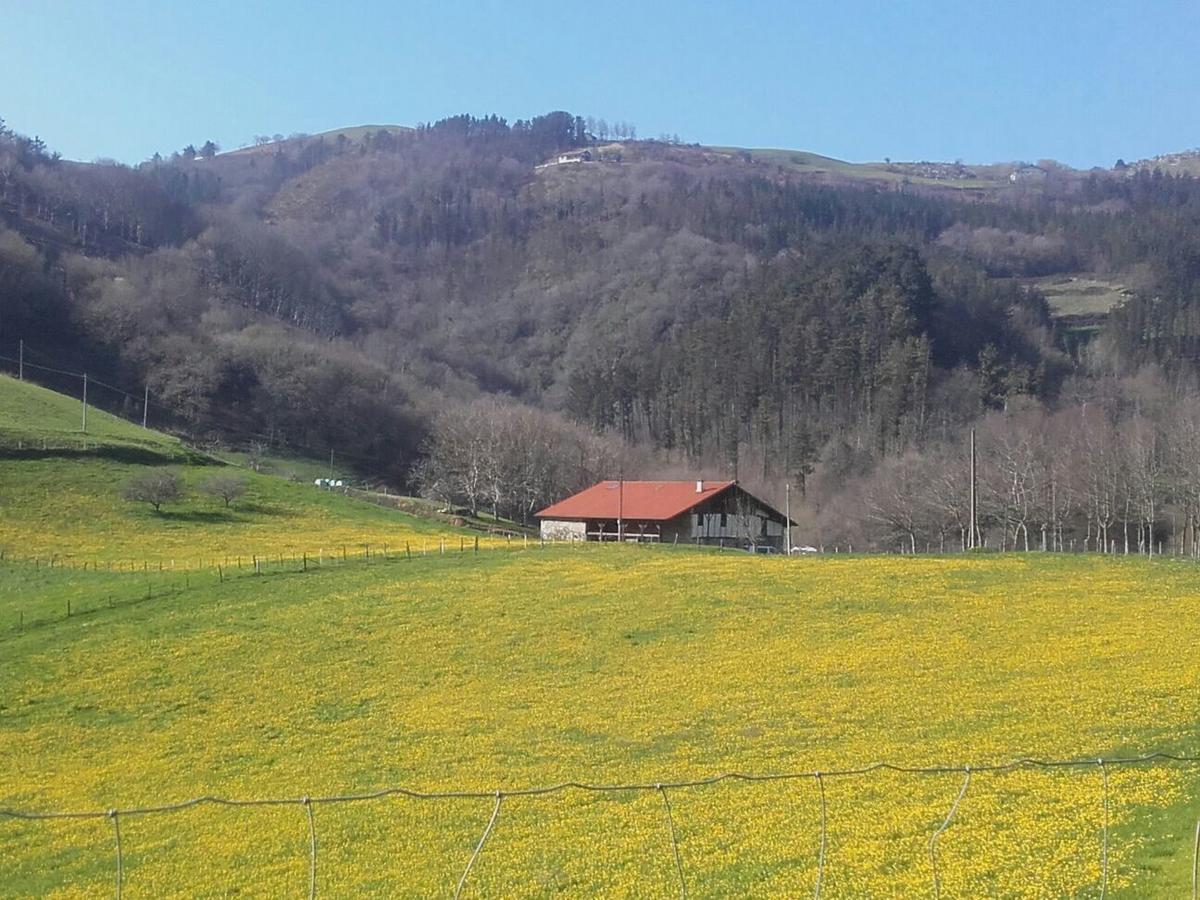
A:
[696, 311]
[1114, 473]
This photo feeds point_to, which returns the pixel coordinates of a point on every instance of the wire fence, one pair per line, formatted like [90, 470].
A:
[167, 578]
[663, 789]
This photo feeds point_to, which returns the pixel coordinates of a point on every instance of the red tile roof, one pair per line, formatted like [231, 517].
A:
[649, 501]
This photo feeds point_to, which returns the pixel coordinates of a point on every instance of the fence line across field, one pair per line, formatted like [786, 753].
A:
[307, 803]
[226, 564]
[174, 575]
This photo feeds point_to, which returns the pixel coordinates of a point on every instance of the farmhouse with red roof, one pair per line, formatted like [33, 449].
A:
[698, 512]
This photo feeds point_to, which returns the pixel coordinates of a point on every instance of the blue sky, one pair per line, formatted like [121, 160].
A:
[1082, 82]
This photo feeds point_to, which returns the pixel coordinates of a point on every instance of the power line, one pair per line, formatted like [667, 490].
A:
[29, 365]
[224, 430]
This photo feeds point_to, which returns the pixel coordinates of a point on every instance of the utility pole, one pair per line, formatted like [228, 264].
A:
[787, 514]
[621, 506]
[331, 464]
[145, 406]
[971, 542]
[85, 403]
[21, 360]
[787, 481]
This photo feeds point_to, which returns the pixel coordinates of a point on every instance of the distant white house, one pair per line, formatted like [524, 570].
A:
[1026, 174]
[574, 156]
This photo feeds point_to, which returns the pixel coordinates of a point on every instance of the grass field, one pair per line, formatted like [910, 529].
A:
[607, 664]
[803, 163]
[68, 506]
[31, 416]
[74, 512]
[1080, 296]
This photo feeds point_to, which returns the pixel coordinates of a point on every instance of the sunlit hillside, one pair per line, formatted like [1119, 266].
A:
[66, 502]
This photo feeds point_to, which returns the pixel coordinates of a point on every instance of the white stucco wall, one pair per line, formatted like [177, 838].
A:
[562, 530]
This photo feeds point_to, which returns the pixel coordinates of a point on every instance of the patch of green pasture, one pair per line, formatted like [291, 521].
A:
[73, 508]
[803, 162]
[284, 465]
[1081, 295]
[31, 415]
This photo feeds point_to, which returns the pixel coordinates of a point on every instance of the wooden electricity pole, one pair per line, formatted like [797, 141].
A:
[971, 541]
[787, 515]
[621, 507]
[21, 360]
[85, 403]
[145, 405]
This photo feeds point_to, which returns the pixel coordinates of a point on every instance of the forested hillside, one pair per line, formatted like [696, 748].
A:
[422, 300]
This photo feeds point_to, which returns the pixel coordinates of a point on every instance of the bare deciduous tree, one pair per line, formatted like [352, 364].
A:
[155, 487]
[227, 487]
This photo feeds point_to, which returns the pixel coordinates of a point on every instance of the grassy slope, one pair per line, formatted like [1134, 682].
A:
[804, 163]
[71, 506]
[609, 664]
[31, 415]
[1080, 295]
[73, 509]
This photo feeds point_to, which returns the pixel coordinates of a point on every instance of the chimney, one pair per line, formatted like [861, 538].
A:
[699, 487]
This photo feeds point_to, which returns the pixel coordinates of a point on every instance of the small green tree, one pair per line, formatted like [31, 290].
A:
[227, 487]
[156, 488]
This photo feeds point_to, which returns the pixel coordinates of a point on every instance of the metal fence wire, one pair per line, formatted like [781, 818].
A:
[308, 804]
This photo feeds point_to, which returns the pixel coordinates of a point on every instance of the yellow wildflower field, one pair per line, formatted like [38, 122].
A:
[616, 665]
